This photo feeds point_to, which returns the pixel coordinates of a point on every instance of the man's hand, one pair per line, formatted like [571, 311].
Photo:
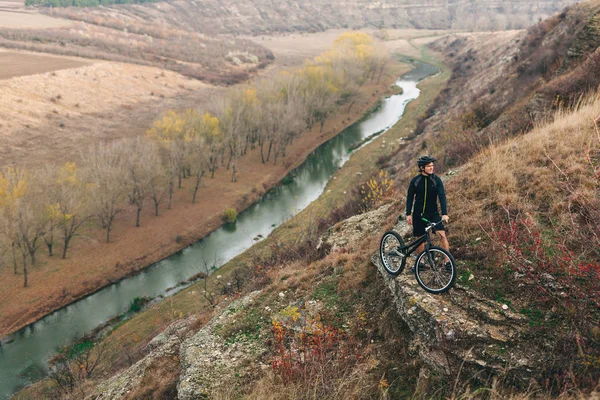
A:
[445, 218]
[409, 219]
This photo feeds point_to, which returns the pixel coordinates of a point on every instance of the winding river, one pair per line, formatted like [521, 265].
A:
[24, 355]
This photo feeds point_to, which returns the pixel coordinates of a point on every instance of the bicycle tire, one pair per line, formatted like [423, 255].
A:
[392, 258]
[437, 277]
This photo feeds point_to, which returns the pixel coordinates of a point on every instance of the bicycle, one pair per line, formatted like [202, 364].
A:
[433, 272]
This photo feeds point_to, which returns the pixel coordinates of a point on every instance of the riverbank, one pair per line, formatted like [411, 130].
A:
[131, 336]
[56, 283]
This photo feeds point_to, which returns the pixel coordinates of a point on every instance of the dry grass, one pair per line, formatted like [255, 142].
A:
[523, 173]
[48, 117]
[159, 382]
[526, 210]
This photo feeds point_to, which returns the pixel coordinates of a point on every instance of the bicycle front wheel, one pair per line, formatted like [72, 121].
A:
[435, 270]
[390, 253]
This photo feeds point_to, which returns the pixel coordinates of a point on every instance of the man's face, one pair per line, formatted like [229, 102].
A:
[428, 169]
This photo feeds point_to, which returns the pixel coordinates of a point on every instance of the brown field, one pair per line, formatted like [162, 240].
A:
[13, 64]
[297, 45]
[105, 101]
[13, 14]
[52, 116]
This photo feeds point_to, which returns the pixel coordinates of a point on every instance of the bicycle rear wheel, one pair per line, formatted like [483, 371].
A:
[390, 253]
[434, 273]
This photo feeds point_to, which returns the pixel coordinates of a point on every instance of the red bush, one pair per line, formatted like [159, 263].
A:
[546, 262]
[314, 355]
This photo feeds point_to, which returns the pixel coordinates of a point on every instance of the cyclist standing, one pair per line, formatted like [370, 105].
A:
[424, 191]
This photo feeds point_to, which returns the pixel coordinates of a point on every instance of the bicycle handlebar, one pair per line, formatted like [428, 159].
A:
[431, 224]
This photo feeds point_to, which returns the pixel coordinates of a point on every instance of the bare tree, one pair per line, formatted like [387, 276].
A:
[206, 267]
[47, 177]
[75, 363]
[379, 60]
[142, 169]
[105, 172]
[158, 191]
[172, 168]
[231, 112]
[198, 163]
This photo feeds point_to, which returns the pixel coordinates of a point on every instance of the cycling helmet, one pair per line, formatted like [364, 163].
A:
[423, 161]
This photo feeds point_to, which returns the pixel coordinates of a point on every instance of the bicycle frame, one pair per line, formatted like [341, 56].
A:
[411, 247]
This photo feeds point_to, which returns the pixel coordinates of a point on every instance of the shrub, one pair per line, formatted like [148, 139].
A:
[376, 190]
[569, 89]
[310, 353]
[478, 118]
[137, 304]
[565, 298]
[230, 215]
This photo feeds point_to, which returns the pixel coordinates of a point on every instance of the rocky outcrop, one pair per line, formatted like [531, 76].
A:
[458, 330]
[166, 344]
[208, 361]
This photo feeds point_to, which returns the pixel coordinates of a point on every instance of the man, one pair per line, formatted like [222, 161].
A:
[424, 191]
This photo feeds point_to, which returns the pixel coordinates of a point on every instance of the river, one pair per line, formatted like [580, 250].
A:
[23, 358]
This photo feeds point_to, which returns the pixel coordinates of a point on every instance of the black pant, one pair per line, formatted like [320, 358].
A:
[419, 225]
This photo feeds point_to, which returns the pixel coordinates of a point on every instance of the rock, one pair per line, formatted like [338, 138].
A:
[350, 233]
[208, 362]
[165, 344]
[457, 328]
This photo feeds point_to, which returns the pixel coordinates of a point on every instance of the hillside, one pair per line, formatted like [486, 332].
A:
[307, 313]
[264, 16]
[499, 91]
[320, 321]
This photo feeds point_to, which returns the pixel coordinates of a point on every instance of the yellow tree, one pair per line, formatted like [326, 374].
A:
[20, 205]
[52, 216]
[174, 132]
[362, 50]
[71, 203]
[320, 91]
[209, 130]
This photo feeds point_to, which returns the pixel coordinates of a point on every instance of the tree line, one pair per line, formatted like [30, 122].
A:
[47, 207]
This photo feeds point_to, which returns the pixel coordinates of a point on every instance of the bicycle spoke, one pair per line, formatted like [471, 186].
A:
[432, 272]
[390, 252]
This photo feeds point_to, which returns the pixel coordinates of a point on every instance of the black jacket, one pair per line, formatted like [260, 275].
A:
[424, 192]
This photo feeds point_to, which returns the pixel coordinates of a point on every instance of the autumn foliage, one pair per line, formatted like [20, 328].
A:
[51, 205]
[308, 352]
